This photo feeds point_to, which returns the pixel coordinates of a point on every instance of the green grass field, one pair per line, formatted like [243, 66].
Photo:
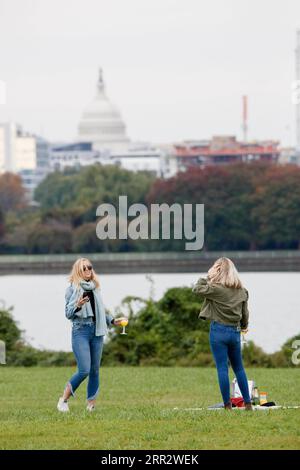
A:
[135, 411]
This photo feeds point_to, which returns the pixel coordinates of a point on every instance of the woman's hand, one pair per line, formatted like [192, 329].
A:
[245, 331]
[117, 321]
[82, 301]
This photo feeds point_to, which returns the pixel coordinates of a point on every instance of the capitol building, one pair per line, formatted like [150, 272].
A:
[102, 138]
[101, 122]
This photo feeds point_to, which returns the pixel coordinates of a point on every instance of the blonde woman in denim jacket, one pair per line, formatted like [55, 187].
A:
[84, 307]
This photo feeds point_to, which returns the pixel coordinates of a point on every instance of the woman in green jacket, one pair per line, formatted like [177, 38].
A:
[225, 305]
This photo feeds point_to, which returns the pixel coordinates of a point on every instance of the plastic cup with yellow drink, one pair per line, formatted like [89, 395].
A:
[123, 323]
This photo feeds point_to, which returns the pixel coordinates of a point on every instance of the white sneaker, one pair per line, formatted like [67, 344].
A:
[62, 405]
[90, 407]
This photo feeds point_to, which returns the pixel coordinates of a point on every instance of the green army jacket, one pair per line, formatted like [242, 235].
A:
[226, 305]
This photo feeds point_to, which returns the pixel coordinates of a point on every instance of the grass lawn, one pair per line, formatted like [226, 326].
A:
[135, 411]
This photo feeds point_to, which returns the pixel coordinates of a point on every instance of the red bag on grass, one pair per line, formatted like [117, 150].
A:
[238, 402]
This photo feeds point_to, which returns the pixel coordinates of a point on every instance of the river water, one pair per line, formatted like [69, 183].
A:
[38, 302]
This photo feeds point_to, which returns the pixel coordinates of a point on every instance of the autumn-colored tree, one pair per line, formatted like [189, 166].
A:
[228, 196]
[247, 206]
[50, 238]
[12, 192]
[277, 207]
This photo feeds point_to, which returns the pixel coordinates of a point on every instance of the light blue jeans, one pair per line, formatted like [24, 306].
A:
[87, 349]
[225, 343]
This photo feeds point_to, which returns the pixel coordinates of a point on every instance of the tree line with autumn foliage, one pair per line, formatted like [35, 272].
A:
[247, 207]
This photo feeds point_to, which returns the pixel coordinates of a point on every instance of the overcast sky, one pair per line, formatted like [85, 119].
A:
[177, 69]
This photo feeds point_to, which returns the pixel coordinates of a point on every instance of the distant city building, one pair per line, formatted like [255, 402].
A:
[102, 140]
[220, 150]
[169, 161]
[101, 122]
[23, 153]
[138, 157]
[76, 155]
[289, 155]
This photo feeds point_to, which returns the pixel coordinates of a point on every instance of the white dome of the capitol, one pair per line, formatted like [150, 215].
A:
[101, 122]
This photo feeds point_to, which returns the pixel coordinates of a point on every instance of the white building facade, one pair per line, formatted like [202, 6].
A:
[140, 157]
[24, 154]
[289, 156]
[81, 154]
[76, 155]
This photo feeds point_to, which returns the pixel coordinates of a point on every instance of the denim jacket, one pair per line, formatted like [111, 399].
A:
[70, 312]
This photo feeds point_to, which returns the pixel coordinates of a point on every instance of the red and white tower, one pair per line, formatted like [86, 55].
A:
[245, 118]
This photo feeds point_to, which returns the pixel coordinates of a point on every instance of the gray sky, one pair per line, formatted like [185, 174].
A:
[176, 68]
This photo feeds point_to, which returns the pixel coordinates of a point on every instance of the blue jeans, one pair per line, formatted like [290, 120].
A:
[87, 349]
[225, 344]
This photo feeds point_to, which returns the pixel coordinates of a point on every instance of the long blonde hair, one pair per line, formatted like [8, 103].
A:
[77, 273]
[224, 272]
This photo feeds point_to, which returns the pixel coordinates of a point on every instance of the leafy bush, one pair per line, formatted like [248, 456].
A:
[10, 333]
[164, 333]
